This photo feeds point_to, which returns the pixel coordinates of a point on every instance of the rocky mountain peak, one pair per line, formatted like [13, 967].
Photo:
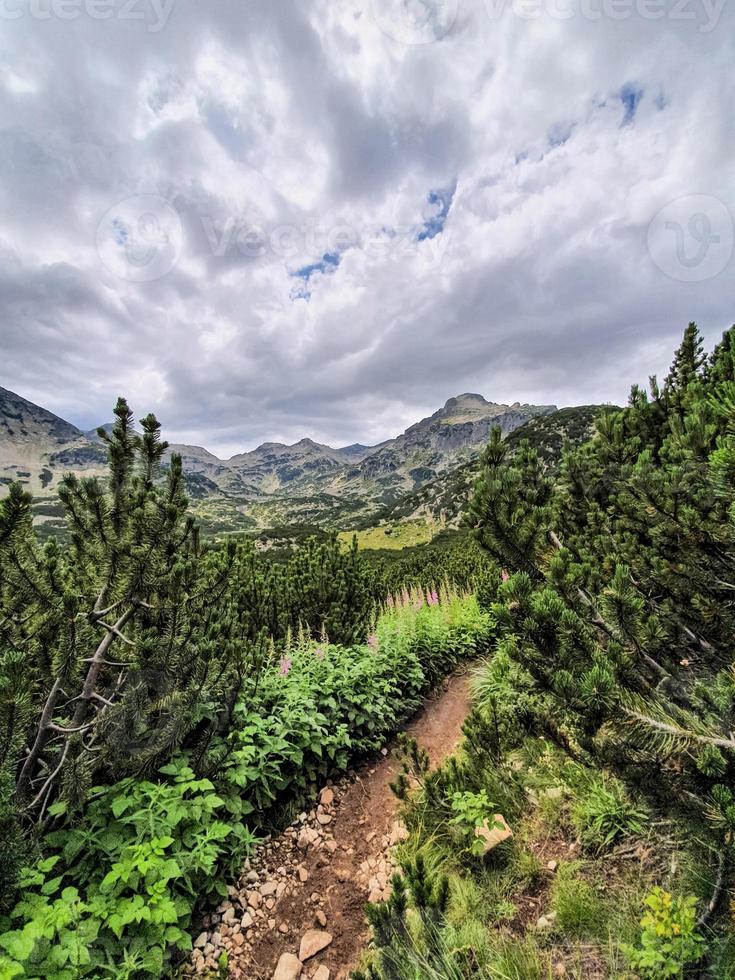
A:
[21, 421]
[468, 397]
[305, 482]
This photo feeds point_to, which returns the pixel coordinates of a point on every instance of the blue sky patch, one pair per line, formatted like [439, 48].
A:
[630, 95]
[560, 133]
[439, 201]
[326, 265]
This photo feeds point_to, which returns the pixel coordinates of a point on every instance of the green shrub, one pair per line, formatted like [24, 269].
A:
[579, 912]
[515, 959]
[472, 810]
[605, 814]
[552, 809]
[724, 958]
[115, 890]
[669, 937]
[525, 869]
[121, 886]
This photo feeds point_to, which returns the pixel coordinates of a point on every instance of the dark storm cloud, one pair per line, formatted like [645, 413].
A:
[591, 215]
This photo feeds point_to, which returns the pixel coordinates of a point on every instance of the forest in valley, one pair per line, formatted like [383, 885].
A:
[170, 704]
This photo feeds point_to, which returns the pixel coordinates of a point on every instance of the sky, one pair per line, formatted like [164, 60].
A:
[269, 219]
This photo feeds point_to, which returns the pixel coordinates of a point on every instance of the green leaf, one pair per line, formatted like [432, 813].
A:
[18, 944]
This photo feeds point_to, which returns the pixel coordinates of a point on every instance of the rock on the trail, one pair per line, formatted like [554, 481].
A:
[322, 973]
[289, 968]
[312, 942]
[326, 798]
[492, 836]
[307, 836]
[546, 921]
[398, 833]
[320, 918]
[201, 941]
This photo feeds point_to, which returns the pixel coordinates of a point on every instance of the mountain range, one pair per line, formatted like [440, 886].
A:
[274, 484]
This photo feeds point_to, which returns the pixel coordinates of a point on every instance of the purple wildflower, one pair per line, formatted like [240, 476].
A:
[373, 641]
[285, 666]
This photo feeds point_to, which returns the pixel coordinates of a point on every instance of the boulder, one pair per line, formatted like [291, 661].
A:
[546, 921]
[492, 836]
[312, 942]
[289, 968]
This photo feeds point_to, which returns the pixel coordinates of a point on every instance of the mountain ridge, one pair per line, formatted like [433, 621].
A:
[275, 483]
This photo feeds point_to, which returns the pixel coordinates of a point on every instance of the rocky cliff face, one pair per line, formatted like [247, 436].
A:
[274, 483]
[443, 499]
[24, 424]
[30, 440]
[455, 432]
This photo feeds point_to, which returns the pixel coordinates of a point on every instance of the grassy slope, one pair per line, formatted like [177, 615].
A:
[555, 899]
[391, 537]
[443, 500]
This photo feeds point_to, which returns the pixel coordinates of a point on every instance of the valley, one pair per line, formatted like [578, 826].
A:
[482, 732]
[423, 475]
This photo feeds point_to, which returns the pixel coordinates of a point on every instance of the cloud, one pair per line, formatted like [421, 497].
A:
[463, 195]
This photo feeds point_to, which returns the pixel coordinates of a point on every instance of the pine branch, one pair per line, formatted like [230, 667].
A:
[39, 743]
[677, 731]
[96, 665]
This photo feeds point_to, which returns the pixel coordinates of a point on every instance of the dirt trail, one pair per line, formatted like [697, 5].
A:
[323, 884]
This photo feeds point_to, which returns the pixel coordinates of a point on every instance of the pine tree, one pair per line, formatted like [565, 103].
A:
[622, 605]
[125, 636]
[509, 511]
